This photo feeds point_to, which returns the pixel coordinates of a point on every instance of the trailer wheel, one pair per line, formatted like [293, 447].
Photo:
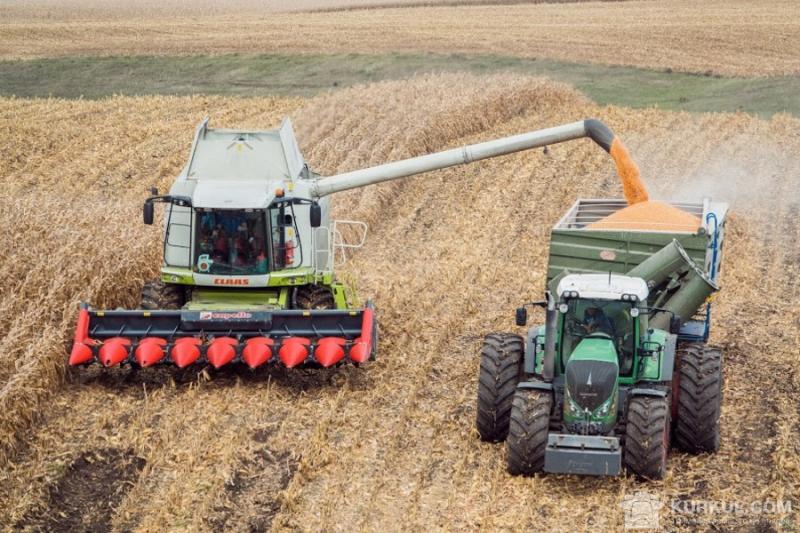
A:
[527, 435]
[159, 295]
[647, 436]
[313, 297]
[699, 398]
[501, 360]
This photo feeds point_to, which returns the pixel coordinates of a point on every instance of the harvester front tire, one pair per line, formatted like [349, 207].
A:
[313, 297]
[647, 436]
[159, 295]
[699, 398]
[501, 360]
[527, 435]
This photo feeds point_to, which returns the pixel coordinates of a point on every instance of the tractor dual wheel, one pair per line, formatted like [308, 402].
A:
[313, 297]
[501, 362]
[647, 436]
[159, 295]
[527, 435]
[699, 398]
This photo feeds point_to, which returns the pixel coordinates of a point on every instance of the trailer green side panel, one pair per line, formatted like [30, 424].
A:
[574, 248]
[586, 251]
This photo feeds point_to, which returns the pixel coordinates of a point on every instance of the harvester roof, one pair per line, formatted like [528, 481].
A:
[241, 169]
[244, 155]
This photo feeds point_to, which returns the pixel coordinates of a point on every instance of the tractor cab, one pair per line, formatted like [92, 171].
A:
[598, 328]
[599, 307]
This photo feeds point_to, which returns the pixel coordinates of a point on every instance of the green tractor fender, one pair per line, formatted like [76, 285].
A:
[535, 384]
[657, 356]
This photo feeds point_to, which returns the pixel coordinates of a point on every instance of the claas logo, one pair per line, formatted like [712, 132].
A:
[231, 281]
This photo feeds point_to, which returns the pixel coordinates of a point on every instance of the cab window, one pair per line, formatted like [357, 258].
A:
[231, 242]
[600, 318]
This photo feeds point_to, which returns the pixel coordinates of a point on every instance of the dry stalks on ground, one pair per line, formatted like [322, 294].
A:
[450, 254]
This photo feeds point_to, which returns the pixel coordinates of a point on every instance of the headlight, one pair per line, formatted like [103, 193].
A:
[572, 408]
[607, 406]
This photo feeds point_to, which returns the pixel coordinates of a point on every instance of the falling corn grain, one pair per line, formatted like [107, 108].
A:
[632, 185]
[641, 212]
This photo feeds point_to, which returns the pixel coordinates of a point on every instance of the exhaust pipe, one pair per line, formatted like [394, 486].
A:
[550, 327]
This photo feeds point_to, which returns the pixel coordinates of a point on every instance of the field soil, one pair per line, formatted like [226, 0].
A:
[727, 37]
[390, 445]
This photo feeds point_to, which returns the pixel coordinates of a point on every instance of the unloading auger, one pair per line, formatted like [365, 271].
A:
[249, 254]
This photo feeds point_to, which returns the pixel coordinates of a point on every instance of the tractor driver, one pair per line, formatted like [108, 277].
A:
[595, 320]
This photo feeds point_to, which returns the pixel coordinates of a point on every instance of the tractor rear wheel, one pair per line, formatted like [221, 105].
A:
[313, 297]
[159, 295]
[699, 398]
[647, 436]
[501, 362]
[527, 435]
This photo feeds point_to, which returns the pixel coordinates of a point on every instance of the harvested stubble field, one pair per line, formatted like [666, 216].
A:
[390, 445]
[727, 37]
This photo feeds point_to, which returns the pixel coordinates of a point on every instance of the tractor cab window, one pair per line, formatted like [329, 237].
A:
[231, 242]
[597, 319]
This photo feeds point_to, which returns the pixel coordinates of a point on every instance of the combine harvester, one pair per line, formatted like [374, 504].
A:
[621, 367]
[249, 256]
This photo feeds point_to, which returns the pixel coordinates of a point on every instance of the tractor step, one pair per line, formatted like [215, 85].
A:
[291, 337]
[582, 454]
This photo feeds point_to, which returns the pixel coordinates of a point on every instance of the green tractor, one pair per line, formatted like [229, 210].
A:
[621, 368]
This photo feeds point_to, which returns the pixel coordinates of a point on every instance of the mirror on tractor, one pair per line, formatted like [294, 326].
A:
[153, 191]
[147, 213]
[522, 316]
[316, 215]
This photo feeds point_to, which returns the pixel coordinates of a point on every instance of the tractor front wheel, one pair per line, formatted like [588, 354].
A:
[501, 360]
[165, 296]
[527, 435]
[313, 297]
[647, 436]
[699, 398]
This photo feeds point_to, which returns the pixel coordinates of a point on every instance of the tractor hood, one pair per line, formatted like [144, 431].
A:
[591, 372]
[230, 194]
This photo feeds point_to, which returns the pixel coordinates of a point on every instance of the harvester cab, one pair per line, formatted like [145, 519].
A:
[249, 253]
[240, 214]
[620, 368]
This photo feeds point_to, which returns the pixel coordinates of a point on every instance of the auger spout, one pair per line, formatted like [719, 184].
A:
[591, 128]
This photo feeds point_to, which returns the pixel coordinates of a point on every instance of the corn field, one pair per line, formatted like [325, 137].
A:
[390, 445]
